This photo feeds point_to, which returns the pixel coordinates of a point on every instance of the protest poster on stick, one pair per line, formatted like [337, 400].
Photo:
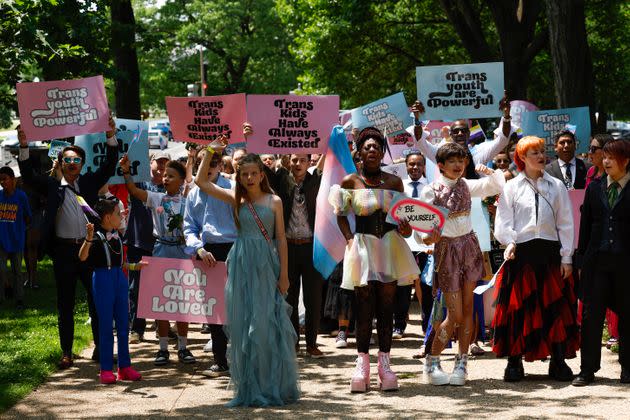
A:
[182, 290]
[391, 115]
[460, 91]
[56, 146]
[202, 119]
[95, 146]
[285, 124]
[62, 108]
[546, 124]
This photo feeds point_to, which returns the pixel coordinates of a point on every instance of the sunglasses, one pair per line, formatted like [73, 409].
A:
[457, 130]
[76, 160]
[594, 149]
[502, 161]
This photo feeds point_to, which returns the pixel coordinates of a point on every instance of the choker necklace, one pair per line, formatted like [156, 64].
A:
[369, 184]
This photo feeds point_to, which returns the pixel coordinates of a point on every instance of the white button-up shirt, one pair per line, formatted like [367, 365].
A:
[519, 219]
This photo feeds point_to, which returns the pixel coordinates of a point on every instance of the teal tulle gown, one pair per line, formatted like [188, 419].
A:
[262, 350]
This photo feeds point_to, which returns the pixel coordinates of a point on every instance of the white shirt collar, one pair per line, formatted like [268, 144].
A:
[521, 177]
[447, 181]
[422, 180]
[562, 163]
[622, 182]
[65, 182]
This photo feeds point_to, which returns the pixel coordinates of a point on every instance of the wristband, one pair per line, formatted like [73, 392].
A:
[87, 241]
[210, 150]
[132, 266]
[199, 250]
[507, 118]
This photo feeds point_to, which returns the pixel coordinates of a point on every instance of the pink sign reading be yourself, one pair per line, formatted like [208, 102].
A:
[62, 108]
[182, 290]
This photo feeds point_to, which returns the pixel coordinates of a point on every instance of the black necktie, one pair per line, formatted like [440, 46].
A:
[414, 193]
[568, 176]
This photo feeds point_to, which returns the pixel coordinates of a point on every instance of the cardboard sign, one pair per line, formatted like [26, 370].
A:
[577, 199]
[56, 146]
[285, 124]
[460, 91]
[182, 290]
[202, 119]
[422, 216]
[546, 124]
[391, 115]
[518, 108]
[62, 108]
[95, 147]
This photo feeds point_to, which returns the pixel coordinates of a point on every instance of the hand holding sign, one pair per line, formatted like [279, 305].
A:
[420, 216]
[417, 108]
[504, 105]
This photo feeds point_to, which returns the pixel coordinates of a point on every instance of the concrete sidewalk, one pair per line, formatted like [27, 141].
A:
[178, 390]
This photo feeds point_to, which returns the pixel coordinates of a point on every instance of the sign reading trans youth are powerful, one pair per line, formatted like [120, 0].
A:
[460, 91]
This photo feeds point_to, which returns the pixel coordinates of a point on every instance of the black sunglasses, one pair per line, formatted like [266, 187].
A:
[594, 149]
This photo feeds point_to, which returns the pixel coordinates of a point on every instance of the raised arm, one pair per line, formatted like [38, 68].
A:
[135, 192]
[281, 240]
[207, 186]
[492, 184]
[420, 135]
[108, 167]
[485, 152]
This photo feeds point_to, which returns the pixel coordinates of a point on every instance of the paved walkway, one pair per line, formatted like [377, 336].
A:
[178, 390]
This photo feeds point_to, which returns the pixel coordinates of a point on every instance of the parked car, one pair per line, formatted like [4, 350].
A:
[154, 138]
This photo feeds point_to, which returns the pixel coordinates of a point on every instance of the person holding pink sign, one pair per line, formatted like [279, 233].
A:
[262, 354]
[458, 258]
[376, 259]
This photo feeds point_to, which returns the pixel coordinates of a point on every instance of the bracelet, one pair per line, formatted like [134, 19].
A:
[507, 118]
[199, 250]
[210, 150]
[87, 241]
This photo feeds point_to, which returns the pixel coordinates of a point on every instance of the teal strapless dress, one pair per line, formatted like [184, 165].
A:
[262, 339]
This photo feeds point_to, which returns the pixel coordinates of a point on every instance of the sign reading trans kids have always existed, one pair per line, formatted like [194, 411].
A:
[285, 124]
[390, 115]
[202, 119]
[460, 91]
[62, 108]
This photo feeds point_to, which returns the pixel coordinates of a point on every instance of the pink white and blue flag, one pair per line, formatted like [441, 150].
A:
[329, 244]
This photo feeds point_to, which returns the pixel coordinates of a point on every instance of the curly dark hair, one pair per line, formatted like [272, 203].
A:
[370, 133]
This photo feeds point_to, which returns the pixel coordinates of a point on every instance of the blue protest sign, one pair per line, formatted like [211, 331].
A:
[56, 146]
[95, 147]
[390, 115]
[546, 124]
[139, 128]
[460, 91]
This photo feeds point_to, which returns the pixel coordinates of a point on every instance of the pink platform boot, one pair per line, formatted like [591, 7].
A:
[128, 374]
[360, 381]
[387, 379]
[108, 377]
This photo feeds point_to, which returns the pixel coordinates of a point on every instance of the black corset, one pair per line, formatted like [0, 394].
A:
[374, 224]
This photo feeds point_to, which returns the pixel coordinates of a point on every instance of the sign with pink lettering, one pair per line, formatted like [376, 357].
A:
[285, 124]
[182, 290]
[422, 216]
[62, 108]
[577, 199]
[202, 119]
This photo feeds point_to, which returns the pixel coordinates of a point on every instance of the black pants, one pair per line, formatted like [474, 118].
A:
[606, 286]
[134, 255]
[301, 269]
[219, 339]
[68, 269]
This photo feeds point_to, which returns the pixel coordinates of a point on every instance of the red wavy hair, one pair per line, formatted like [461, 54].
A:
[523, 146]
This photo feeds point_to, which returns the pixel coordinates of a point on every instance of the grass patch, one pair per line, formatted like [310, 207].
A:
[29, 340]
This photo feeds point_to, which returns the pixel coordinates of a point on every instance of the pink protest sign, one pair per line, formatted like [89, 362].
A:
[285, 124]
[518, 108]
[435, 130]
[202, 119]
[62, 108]
[577, 198]
[182, 290]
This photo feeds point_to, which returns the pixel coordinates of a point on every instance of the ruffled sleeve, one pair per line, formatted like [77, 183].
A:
[340, 199]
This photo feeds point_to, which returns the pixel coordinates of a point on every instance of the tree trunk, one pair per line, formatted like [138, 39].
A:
[123, 44]
[570, 54]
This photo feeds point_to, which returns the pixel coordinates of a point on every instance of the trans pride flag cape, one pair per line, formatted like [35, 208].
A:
[329, 244]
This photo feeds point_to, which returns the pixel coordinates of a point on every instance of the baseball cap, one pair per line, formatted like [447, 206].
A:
[161, 155]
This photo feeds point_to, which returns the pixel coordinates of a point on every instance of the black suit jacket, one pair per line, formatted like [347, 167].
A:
[553, 169]
[602, 228]
[51, 188]
[283, 185]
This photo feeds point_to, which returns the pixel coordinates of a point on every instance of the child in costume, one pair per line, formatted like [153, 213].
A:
[103, 251]
[458, 258]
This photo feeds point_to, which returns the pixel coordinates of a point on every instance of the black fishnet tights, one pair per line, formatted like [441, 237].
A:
[375, 299]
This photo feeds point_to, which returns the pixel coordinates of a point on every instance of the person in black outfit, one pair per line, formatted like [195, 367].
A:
[603, 247]
[63, 229]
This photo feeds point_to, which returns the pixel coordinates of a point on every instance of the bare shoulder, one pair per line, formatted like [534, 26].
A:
[350, 181]
[393, 182]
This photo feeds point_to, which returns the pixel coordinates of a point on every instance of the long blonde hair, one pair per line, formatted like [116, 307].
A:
[240, 191]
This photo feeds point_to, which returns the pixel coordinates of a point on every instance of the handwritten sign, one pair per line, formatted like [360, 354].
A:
[390, 115]
[182, 290]
[95, 147]
[202, 119]
[398, 169]
[422, 216]
[62, 108]
[460, 91]
[285, 124]
[546, 124]
[56, 146]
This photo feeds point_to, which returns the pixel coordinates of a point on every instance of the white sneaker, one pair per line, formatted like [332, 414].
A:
[434, 372]
[460, 372]
[208, 347]
[341, 342]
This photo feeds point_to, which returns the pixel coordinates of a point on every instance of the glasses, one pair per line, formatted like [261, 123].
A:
[502, 161]
[594, 149]
[457, 130]
[76, 160]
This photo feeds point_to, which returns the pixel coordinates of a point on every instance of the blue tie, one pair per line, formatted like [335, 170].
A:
[414, 184]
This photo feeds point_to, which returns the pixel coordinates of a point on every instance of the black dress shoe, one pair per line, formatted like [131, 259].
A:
[205, 329]
[560, 371]
[583, 379]
[514, 372]
[625, 376]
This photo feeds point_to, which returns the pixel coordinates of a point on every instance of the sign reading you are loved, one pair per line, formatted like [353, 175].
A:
[285, 124]
[390, 115]
[182, 290]
[62, 108]
[203, 119]
[460, 91]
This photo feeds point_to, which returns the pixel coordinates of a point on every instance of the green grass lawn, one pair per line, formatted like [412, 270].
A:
[29, 340]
